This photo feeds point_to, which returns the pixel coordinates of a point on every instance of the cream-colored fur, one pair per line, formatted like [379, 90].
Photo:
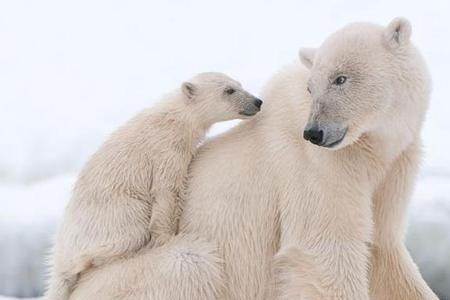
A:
[127, 195]
[185, 267]
[372, 121]
[291, 219]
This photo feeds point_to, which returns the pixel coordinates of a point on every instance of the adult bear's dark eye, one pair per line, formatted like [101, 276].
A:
[340, 80]
[308, 89]
[230, 91]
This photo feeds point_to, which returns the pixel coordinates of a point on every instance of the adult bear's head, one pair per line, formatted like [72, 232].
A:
[356, 76]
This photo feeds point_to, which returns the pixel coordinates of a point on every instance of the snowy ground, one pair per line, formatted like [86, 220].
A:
[70, 72]
[10, 298]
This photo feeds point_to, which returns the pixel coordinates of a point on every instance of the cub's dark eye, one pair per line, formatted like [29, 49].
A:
[340, 80]
[308, 89]
[230, 91]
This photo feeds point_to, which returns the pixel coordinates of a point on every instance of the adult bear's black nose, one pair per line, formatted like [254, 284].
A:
[313, 135]
[258, 103]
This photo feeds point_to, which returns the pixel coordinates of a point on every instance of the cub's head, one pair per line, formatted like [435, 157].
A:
[354, 79]
[216, 97]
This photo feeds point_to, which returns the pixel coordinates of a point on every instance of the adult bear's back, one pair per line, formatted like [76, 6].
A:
[230, 200]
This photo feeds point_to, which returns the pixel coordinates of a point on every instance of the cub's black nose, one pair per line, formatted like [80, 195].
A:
[313, 135]
[258, 103]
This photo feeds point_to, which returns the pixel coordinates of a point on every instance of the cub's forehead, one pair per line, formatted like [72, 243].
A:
[215, 78]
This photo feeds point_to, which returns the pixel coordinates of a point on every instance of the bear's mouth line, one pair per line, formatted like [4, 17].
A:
[337, 142]
[248, 114]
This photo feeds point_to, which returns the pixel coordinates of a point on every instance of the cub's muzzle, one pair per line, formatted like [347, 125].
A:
[252, 107]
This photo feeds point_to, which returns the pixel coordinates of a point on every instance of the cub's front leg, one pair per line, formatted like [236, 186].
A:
[164, 220]
[394, 275]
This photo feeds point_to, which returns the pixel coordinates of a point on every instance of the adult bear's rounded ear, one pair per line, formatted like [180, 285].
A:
[397, 33]
[188, 89]
[307, 56]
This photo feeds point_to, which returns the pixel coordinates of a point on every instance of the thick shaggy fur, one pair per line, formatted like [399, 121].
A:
[380, 108]
[183, 268]
[294, 220]
[127, 195]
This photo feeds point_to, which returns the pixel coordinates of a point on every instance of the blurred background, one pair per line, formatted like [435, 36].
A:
[72, 71]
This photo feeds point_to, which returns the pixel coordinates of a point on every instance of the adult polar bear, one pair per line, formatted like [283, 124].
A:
[326, 215]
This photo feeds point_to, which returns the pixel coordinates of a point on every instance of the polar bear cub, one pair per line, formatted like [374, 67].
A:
[127, 195]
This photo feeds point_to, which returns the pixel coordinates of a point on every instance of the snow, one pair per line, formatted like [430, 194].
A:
[429, 231]
[70, 72]
[28, 217]
[10, 298]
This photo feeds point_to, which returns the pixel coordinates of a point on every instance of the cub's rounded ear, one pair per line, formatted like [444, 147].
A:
[307, 56]
[398, 33]
[188, 89]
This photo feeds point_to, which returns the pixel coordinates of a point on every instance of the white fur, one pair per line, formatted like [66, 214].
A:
[127, 195]
[334, 219]
[183, 268]
[354, 218]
